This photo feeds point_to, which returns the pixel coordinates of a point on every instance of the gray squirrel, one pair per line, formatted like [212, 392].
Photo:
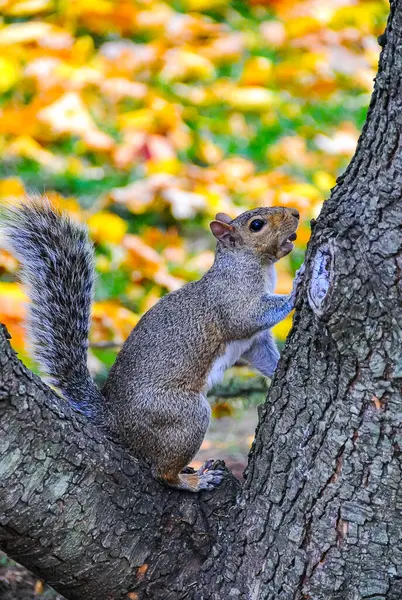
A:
[154, 400]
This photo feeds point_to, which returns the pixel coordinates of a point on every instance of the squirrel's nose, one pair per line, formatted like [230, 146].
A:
[295, 212]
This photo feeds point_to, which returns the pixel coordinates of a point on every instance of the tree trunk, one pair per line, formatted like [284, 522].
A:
[320, 513]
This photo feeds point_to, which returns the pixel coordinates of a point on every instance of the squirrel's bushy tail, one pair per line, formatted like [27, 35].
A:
[57, 270]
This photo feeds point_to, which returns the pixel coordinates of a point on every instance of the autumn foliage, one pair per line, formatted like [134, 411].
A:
[144, 118]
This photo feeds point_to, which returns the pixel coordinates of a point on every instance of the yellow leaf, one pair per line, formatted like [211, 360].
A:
[21, 8]
[69, 205]
[184, 65]
[39, 587]
[323, 180]
[201, 5]
[26, 146]
[9, 73]
[107, 227]
[156, 20]
[209, 152]
[83, 49]
[12, 312]
[112, 321]
[141, 254]
[12, 187]
[285, 280]
[362, 16]
[300, 26]
[303, 235]
[282, 329]
[7, 262]
[98, 7]
[69, 115]
[142, 119]
[233, 169]
[164, 279]
[302, 189]
[33, 32]
[257, 71]
[201, 263]
[12, 301]
[316, 209]
[250, 98]
[290, 148]
[167, 165]
[144, 261]
[102, 264]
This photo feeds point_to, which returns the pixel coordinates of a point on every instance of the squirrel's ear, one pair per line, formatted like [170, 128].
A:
[222, 231]
[223, 217]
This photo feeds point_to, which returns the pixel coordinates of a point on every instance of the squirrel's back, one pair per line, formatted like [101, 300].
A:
[57, 270]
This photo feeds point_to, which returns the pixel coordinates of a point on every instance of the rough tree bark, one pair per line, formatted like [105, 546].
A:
[81, 513]
[320, 513]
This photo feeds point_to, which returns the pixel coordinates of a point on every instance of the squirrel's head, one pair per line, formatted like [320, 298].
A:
[268, 232]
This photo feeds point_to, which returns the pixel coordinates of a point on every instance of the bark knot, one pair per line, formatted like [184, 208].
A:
[321, 278]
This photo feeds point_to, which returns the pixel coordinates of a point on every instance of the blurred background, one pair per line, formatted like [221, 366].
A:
[144, 118]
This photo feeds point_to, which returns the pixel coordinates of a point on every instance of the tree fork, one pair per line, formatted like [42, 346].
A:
[320, 514]
[81, 513]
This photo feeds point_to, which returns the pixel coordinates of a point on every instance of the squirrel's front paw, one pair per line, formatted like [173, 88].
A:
[209, 478]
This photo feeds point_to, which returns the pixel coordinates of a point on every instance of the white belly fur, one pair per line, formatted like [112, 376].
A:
[233, 352]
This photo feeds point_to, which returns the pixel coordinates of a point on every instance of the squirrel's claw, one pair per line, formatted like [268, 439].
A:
[207, 466]
[209, 478]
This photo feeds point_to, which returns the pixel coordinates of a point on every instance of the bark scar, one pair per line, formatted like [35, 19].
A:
[321, 278]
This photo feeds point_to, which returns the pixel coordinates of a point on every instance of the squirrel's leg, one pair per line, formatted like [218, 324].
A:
[273, 309]
[179, 424]
[263, 354]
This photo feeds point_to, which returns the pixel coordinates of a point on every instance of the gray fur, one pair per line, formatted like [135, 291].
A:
[57, 271]
[263, 354]
[154, 399]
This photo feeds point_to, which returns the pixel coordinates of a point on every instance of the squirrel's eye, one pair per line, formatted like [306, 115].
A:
[257, 224]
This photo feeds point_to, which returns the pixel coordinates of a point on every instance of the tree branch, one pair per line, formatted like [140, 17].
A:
[81, 513]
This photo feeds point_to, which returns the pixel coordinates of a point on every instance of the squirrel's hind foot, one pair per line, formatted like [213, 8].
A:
[206, 478]
[209, 478]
